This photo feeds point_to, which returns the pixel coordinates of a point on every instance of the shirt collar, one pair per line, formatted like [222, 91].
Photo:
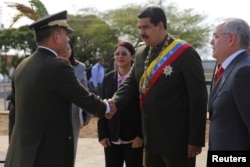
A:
[49, 50]
[121, 77]
[230, 58]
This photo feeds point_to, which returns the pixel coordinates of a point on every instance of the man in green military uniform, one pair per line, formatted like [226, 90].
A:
[168, 76]
[42, 92]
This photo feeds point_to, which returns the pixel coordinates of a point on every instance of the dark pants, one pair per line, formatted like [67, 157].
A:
[153, 160]
[115, 155]
[92, 89]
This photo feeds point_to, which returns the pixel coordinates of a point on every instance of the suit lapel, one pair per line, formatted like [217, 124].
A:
[115, 78]
[225, 75]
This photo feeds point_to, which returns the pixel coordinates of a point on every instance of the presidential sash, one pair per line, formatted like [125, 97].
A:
[160, 65]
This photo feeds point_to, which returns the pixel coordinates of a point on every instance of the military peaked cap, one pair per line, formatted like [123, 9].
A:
[57, 19]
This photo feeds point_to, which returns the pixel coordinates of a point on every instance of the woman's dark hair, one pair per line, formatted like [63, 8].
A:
[72, 59]
[156, 15]
[127, 45]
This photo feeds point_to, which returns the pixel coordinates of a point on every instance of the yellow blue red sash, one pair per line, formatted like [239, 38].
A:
[156, 68]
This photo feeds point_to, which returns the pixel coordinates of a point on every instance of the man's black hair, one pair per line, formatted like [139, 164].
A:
[156, 15]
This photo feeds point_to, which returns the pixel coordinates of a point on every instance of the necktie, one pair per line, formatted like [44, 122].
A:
[218, 74]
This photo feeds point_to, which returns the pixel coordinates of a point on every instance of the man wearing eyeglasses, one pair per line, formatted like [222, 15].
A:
[229, 100]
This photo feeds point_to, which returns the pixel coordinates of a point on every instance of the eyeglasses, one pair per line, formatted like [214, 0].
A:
[217, 35]
[121, 53]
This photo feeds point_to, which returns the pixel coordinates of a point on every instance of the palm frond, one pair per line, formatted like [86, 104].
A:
[39, 7]
[24, 11]
[16, 18]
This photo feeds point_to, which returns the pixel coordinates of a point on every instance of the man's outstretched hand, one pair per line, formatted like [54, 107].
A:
[113, 109]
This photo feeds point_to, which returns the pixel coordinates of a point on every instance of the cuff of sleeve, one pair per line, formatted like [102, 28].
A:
[107, 108]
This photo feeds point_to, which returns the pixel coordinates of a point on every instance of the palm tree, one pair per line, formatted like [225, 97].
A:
[34, 12]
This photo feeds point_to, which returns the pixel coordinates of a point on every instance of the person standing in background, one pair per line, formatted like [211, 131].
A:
[121, 137]
[80, 118]
[169, 78]
[229, 98]
[97, 75]
[80, 72]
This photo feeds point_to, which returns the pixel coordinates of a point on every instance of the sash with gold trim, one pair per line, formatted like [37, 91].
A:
[159, 65]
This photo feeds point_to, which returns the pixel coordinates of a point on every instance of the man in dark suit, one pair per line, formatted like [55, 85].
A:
[168, 76]
[43, 89]
[229, 99]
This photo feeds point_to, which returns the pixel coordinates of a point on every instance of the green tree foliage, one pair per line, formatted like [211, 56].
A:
[188, 25]
[124, 22]
[92, 38]
[21, 38]
[35, 11]
[184, 24]
[39, 7]
[96, 33]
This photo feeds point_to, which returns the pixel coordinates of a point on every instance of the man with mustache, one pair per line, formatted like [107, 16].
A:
[168, 76]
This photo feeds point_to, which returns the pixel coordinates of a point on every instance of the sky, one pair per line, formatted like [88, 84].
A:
[214, 9]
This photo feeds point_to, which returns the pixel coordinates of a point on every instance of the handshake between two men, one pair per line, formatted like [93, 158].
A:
[113, 109]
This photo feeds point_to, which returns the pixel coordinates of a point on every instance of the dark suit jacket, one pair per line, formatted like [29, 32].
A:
[174, 111]
[126, 124]
[44, 88]
[230, 107]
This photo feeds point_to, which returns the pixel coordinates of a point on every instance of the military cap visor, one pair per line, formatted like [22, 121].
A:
[58, 19]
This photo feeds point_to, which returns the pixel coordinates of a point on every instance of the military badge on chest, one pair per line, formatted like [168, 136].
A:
[168, 70]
